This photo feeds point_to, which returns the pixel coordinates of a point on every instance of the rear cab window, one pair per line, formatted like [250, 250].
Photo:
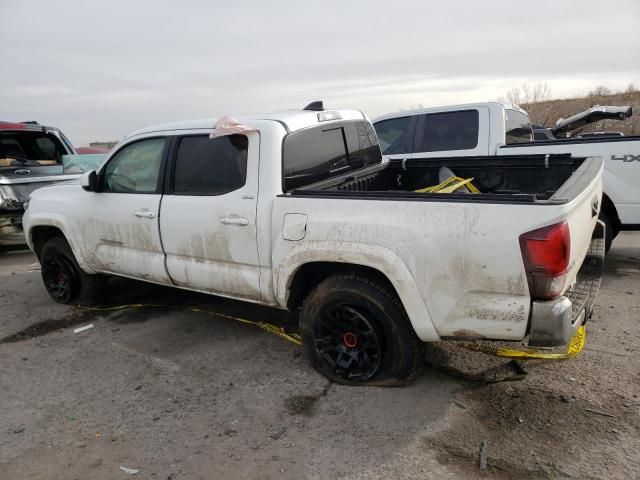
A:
[318, 153]
[30, 148]
[517, 127]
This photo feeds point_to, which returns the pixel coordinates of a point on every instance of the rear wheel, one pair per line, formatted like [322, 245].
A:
[64, 280]
[356, 332]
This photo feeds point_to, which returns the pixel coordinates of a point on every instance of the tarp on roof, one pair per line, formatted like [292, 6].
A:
[228, 126]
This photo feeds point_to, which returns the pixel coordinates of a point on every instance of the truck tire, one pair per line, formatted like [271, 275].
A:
[608, 233]
[63, 278]
[355, 331]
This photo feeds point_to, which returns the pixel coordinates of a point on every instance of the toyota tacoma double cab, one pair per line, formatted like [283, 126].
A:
[299, 212]
[496, 129]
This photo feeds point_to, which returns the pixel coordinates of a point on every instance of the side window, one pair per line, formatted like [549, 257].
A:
[135, 168]
[449, 131]
[392, 135]
[205, 166]
[362, 144]
[518, 127]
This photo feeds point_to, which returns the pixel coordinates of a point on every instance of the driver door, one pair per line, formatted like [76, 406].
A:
[122, 235]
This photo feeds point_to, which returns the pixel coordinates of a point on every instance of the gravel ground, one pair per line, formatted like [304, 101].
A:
[178, 394]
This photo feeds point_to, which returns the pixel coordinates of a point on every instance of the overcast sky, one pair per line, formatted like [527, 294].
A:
[100, 69]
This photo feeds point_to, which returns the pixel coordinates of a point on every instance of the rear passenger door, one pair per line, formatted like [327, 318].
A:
[459, 133]
[208, 214]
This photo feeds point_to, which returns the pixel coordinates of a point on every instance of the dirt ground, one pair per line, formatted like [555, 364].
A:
[178, 394]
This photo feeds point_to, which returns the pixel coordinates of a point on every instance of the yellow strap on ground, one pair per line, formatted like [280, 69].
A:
[276, 330]
[450, 185]
[575, 347]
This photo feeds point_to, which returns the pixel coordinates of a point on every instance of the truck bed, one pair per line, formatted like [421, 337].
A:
[554, 179]
[461, 251]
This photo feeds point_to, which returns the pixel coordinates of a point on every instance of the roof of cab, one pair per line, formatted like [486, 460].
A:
[292, 120]
[28, 126]
[447, 108]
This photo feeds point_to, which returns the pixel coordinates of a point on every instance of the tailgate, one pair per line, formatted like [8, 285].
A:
[17, 183]
[583, 193]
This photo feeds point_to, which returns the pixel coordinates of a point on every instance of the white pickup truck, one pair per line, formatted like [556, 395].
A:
[496, 129]
[301, 213]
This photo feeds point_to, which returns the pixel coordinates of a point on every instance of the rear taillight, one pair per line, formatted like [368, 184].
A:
[546, 252]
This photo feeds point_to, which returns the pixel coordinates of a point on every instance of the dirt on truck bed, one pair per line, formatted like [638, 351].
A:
[177, 394]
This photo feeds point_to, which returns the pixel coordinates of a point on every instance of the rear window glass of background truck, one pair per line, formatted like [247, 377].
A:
[326, 151]
[518, 127]
[207, 166]
[29, 146]
[392, 135]
[449, 131]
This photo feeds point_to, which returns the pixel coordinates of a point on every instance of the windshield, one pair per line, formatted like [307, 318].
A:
[31, 148]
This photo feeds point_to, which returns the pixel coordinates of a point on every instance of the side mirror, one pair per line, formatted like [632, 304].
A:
[89, 181]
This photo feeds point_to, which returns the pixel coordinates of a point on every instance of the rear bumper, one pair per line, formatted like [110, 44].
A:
[554, 323]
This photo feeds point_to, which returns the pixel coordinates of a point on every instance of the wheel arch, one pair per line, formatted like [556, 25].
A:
[308, 275]
[47, 228]
[40, 234]
[609, 209]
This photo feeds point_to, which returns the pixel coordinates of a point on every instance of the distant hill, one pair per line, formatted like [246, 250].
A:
[548, 112]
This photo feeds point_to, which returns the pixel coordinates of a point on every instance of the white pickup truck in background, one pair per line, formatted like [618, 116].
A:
[301, 213]
[496, 129]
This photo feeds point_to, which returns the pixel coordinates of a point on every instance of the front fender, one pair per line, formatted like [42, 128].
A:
[373, 256]
[31, 221]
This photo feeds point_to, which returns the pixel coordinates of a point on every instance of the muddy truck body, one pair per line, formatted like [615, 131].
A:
[298, 211]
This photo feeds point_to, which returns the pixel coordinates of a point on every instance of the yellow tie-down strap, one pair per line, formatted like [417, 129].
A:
[575, 347]
[450, 185]
[268, 327]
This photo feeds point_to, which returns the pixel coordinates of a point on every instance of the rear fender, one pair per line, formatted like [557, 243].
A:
[372, 256]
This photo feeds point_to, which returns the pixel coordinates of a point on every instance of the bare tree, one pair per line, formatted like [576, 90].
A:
[599, 91]
[631, 88]
[527, 94]
[535, 99]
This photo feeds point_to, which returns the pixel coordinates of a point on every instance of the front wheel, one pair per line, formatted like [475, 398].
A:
[64, 279]
[355, 331]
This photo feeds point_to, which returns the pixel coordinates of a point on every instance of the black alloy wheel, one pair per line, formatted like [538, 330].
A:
[59, 278]
[63, 278]
[349, 341]
[355, 331]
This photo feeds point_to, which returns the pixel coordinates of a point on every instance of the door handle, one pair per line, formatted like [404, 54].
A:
[144, 213]
[234, 220]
